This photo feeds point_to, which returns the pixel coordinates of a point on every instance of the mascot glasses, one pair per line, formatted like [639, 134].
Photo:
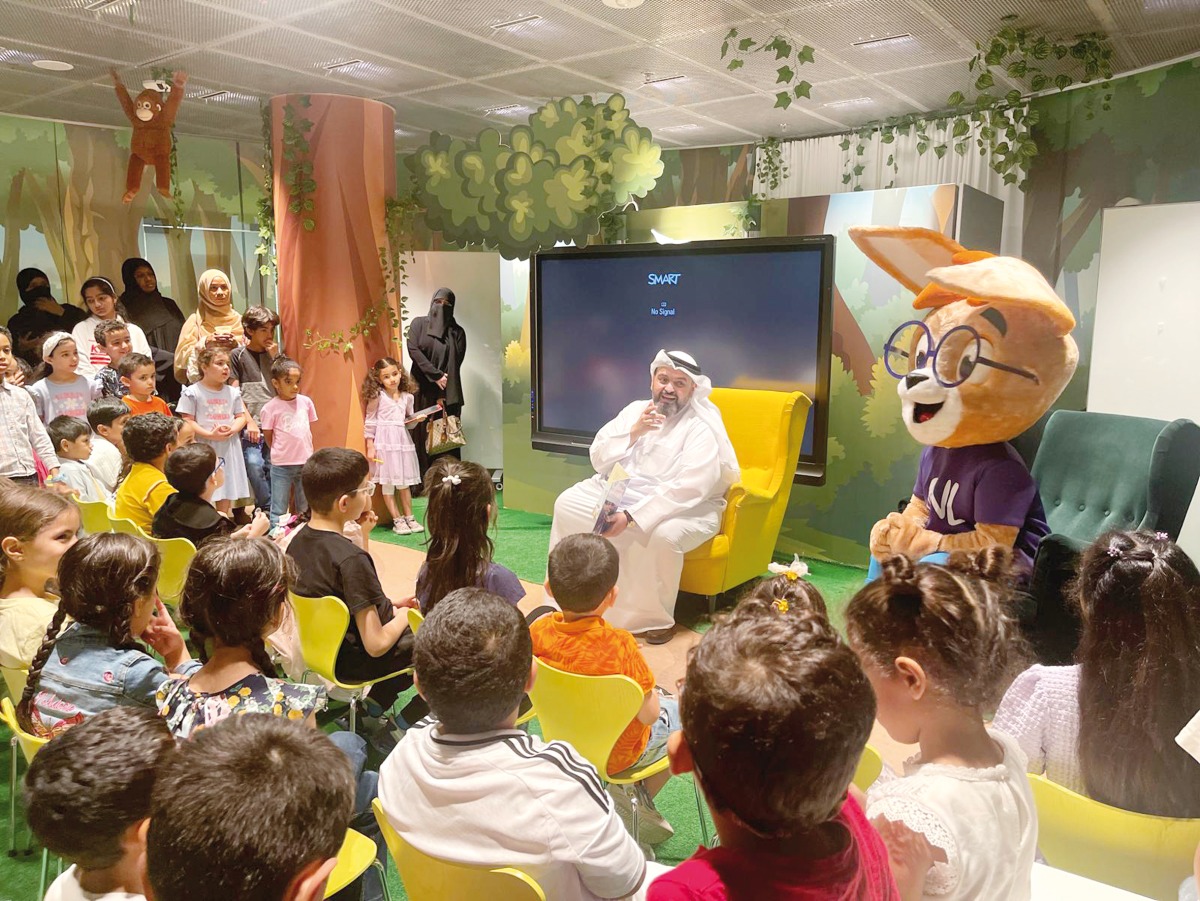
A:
[952, 360]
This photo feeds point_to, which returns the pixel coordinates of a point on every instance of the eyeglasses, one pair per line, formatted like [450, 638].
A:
[960, 351]
[220, 465]
[367, 489]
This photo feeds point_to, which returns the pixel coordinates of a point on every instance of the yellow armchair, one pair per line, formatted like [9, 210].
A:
[766, 429]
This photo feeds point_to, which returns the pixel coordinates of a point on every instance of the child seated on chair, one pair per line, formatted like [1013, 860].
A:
[195, 472]
[377, 641]
[87, 798]
[72, 439]
[254, 807]
[464, 785]
[107, 417]
[776, 712]
[582, 579]
[148, 438]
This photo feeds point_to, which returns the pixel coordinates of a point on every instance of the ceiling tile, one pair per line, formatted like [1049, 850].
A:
[470, 98]
[388, 32]
[149, 21]
[421, 117]
[632, 68]
[759, 69]
[761, 120]
[931, 86]
[661, 20]
[1163, 45]
[547, 82]
[556, 34]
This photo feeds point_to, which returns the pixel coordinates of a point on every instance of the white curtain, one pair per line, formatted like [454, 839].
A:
[817, 166]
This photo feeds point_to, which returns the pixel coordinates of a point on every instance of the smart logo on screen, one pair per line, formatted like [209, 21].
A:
[662, 278]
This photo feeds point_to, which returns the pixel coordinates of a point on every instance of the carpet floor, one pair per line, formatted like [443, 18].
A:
[522, 542]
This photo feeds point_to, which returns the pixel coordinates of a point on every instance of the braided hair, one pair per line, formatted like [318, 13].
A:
[100, 578]
[235, 591]
[1139, 672]
[955, 619]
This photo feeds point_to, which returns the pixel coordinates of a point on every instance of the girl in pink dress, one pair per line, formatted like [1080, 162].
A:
[388, 393]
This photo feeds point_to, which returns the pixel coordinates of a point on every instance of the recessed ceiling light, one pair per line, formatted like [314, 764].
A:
[96, 5]
[213, 95]
[689, 126]
[507, 108]
[513, 23]
[334, 67]
[853, 101]
[650, 80]
[873, 41]
[623, 4]
[52, 65]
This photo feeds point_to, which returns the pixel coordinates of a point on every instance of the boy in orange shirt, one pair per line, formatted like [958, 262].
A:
[138, 375]
[582, 579]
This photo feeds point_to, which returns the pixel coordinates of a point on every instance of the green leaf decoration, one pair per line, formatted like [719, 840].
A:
[961, 127]
[783, 100]
[309, 225]
[782, 49]
[1063, 81]
[960, 148]
[922, 147]
[724, 49]
[736, 64]
[984, 81]
[804, 89]
[1013, 97]
[846, 179]
[845, 144]
[888, 137]
[940, 150]
[956, 99]
[859, 169]
[746, 43]
[784, 74]
[732, 34]
[1018, 68]
[805, 55]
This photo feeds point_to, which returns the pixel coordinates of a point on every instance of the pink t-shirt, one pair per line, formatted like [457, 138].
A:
[289, 422]
[859, 872]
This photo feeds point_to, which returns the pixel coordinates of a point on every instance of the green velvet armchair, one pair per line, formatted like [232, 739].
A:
[1096, 472]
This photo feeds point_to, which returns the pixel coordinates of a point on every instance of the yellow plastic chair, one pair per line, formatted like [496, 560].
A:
[427, 878]
[177, 554]
[321, 624]
[766, 429]
[95, 516]
[127, 526]
[415, 620]
[590, 713]
[29, 746]
[356, 856]
[14, 681]
[1143, 854]
[870, 765]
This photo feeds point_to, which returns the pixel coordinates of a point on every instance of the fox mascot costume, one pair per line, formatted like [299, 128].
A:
[990, 357]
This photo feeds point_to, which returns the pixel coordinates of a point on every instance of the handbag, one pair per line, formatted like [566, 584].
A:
[444, 434]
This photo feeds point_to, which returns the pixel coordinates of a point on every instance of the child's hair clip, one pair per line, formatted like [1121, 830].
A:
[1114, 551]
[1162, 536]
[781, 605]
[793, 571]
[452, 480]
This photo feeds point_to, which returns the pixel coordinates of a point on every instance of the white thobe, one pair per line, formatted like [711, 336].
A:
[678, 497]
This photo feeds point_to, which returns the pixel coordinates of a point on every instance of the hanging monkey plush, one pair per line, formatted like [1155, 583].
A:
[151, 145]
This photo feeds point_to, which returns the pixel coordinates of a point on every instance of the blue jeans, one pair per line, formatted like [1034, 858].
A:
[258, 469]
[283, 479]
[367, 789]
[874, 570]
[667, 722]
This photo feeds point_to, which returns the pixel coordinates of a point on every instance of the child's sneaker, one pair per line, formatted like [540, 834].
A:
[653, 829]
[400, 527]
[414, 527]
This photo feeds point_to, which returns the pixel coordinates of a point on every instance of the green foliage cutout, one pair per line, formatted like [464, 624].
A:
[548, 181]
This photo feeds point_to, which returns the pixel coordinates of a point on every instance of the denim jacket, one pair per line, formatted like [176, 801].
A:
[85, 675]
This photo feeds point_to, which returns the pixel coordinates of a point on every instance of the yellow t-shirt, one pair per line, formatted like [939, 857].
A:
[23, 622]
[141, 494]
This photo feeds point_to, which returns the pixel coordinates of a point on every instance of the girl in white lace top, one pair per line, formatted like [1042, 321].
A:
[1106, 726]
[938, 643]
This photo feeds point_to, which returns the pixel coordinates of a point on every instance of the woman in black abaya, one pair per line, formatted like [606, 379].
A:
[437, 345]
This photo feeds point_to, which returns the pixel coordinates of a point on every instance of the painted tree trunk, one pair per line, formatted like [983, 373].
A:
[330, 275]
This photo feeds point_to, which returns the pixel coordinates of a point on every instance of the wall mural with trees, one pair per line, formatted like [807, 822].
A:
[62, 211]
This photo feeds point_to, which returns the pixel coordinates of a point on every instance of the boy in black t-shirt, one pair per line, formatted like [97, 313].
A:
[195, 472]
[378, 641]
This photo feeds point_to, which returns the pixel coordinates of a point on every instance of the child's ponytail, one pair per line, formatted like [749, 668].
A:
[459, 547]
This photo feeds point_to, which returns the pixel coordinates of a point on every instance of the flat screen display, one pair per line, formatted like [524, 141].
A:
[755, 313]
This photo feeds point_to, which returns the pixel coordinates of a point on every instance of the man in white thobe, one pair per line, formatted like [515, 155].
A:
[680, 462]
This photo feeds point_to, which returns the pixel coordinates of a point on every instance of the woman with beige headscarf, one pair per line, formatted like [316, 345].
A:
[214, 324]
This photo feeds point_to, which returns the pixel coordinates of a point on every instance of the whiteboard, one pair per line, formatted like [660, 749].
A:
[1146, 343]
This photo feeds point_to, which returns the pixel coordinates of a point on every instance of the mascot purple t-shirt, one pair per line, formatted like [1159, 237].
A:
[982, 483]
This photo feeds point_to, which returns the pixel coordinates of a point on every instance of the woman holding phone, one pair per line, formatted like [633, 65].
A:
[214, 324]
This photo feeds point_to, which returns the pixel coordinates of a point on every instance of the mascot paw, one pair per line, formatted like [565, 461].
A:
[128, 198]
[881, 539]
[915, 541]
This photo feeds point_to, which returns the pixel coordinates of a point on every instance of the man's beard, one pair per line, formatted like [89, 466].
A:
[668, 407]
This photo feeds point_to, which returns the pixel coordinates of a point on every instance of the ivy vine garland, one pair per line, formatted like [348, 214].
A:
[298, 169]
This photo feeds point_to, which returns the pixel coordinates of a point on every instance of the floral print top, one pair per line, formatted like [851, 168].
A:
[187, 711]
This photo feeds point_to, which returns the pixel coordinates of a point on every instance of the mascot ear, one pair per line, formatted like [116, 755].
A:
[906, 254]
[1004, 280]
